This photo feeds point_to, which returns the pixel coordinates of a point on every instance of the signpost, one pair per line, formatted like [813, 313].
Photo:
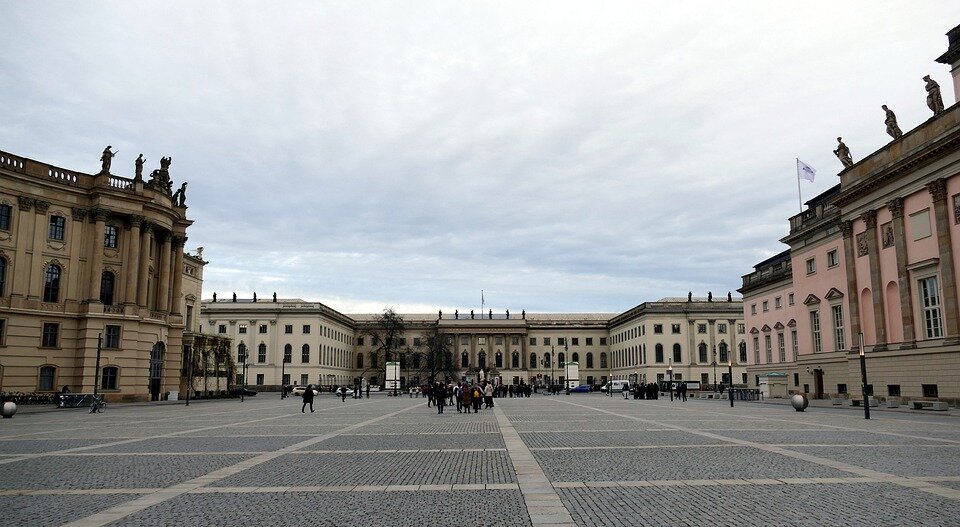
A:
[393, 376]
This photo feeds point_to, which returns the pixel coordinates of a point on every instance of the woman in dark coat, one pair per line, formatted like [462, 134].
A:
[307, 399]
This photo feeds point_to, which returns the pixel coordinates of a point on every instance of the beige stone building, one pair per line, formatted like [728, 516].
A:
[325, 347]
[88, 256]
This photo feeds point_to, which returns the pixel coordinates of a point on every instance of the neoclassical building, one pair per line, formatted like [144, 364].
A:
[875, 255]
[292, 341]
[93, 256]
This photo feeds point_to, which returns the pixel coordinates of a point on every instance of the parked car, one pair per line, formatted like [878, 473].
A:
[239, 390]
[617, 385]
[298, 391]
[337, 391]
[584, 388]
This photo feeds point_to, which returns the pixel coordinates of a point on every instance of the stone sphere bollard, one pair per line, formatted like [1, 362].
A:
[799, 402]
[9, 408]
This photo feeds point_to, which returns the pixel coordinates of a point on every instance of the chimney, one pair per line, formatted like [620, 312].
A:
[952, 59]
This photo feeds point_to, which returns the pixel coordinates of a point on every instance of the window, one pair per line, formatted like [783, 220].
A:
[930, 304]
[3, 275]
[261, 354]
[930, 390]
[766, 306]
[768, 348]
[286, 379]
[589, 341]
[111, 338]
[790, 299]
[515, 341]
[841, 388]
[51, 284]
[724, 352]
[701, 328]
[241, 352]
[464, 340]
[533, 361]
[110, 236]
[222, 328]
[546, 360]
[741, 329]
[561, 341]
[722, 329]
[658, 328]
[893, 390]
[702, 352]
[108, 378]
[811, 265]
[305, 353]
[675, 329]
[482, 340]
[263, 328]
[753, 309]
[515, 360]
[796, 379]
[603, 360]
[833, 258]
[589, 360]
[498, 360]
[676, 353]
[658, 353]
[781, 347]
[48, 375]
[575, 358]
[416, 341]
[359, 341]
[107, 281]
[3, 332]
[704, 378]
[778, 302]
[498, 341]
[57, 226]
[576, 341]
[533, 341]
[51, 335]
[837, 312]
[359, 361]
[546, 341]
[304, 379]
[794, 343]
[756, 350]
[5, 212]
[306, 329]
[603, 341]
[259, 379]
[243, 328]
[288, 329]
[815, 330]
[561, 359]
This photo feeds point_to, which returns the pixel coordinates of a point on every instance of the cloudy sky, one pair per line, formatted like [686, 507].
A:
[560, 156]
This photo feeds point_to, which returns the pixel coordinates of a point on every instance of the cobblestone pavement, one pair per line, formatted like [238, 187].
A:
[546, 460]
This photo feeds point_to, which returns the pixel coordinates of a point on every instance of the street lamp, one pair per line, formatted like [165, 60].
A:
[670, 382]
[243, 363]
[863, 379]
[283, 374]
[730, 375]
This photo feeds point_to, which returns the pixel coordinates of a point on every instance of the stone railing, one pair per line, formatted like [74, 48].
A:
[158, 315]
[65, 176]
[120, 182]
[113, 310]
[11, 162]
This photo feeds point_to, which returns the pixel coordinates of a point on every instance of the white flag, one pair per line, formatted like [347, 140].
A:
[805, 171]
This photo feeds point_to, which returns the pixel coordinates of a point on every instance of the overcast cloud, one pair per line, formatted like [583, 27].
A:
[561, 156]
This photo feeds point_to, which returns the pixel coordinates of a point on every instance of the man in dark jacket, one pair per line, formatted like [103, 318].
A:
[307, 399]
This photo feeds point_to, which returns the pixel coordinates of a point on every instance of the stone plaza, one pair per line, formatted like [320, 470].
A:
[582, 459]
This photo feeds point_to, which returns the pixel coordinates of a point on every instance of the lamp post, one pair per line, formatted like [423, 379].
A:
[670, 377]
[243, 363]
[715, 383]
[730, 375]
[189, 373]
[863, 379]
[283, 374]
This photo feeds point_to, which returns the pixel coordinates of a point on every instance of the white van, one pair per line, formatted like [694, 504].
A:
[618, 385]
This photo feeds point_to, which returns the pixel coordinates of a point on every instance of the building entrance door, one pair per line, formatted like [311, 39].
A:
[156, 370]
[818, 383]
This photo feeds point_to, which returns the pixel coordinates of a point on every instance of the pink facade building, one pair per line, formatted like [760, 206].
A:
[875, 255]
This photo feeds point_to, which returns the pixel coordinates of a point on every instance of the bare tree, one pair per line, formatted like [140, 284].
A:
[436, 357]
[386, 334]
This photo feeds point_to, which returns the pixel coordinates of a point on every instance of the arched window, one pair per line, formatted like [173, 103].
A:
[743, 352]
[546, 360]
[109, 378]
[464, 360]
[723, 352]
[359, 361]
[603, 360]
[560, 359]
[658, 353]
[262, 353]
[589, 360]
[533, 361]
[702, 352]
[3, 276]
[575, 357]
[373, 359]
[48, 375]
[515, 360]
[677, 356]
[305, 353]
[51, 284]
[499, 360]
[107, 280]
[288, 354]
[241, 352]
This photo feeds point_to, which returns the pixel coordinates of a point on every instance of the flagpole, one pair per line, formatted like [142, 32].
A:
[799, 196]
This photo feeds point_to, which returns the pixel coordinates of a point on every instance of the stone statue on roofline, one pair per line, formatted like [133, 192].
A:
[934, 100]
[138, 171]
[105, 159]
[891, 122]
[160, 178]
[843, 153]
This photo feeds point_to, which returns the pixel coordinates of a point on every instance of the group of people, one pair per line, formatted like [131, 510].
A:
[652, 390]
[465, 395]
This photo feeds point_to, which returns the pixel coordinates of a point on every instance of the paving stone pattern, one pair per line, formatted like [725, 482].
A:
[578, 460]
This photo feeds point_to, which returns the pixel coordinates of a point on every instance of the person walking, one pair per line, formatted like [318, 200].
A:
[441, 398]
[625, 390]
[458, 395]
[683, 390]
[467, 398]
[368, 390]
[488, 395]
[477, 398]
[307, 399]
[343, 394]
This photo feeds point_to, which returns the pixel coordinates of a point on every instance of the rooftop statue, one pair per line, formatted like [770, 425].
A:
[180, 196]
[891, 122]
[106, 159]
[843, 153]
[138, 173]
[934, 100]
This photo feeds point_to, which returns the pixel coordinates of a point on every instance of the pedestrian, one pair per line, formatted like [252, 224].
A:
[458, 395]
[625, 391]
[368, 390]
[683, 390]
[488, 395]
[440, 398]
[428, 393]
[477, 398]
[307, 399]
[343, 394]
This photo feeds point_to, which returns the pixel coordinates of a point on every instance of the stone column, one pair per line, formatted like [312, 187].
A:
[163, 283]
[903, 278]
[879, 310]
[177, 271]
[691, 345]
[853, 293]
[143, 274]
[76, 289]
[133, 261]
[938, 190]
[37, 268]
[99, 217]
[20, 284]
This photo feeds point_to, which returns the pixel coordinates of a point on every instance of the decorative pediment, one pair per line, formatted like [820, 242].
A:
[765, 328]
[792, 323]
[833, 294]
[778, 326]
[811, 300]
[754, 330]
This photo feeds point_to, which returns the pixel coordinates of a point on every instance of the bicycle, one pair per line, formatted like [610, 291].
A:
[98, 405]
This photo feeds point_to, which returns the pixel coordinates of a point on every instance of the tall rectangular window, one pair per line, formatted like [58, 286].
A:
[768, 348]
[306, 329]
[112, 337]
[794, 343]
[110, 236]
[833, 258]
[3, 327]
[288, 329]
[815, 331]
[756, 350]
[243, 328]
[222, 328]
[5, 212]
[259, 379]
[51, 334]
[837, 312]
[57, 226]
[263, 328]
[781, 347]
[930, 304]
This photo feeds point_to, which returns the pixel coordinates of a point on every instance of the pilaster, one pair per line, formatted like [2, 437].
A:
[903, 278]
[853, 292]
[938, 191]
